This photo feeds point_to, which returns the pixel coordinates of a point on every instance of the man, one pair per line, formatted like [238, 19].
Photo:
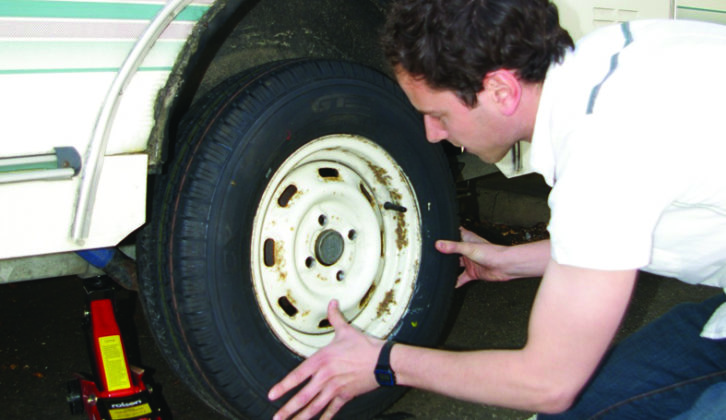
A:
[627, 129]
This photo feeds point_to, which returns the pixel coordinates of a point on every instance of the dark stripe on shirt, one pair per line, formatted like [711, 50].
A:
[625, 27]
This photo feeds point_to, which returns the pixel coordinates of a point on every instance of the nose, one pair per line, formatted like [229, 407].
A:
[435, 131]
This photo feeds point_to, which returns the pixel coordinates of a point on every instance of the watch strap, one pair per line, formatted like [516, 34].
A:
[384, 374]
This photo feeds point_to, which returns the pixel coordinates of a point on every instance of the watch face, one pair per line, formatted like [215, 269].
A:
[385, 377]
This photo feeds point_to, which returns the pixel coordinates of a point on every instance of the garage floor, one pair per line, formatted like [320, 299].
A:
[42, 343]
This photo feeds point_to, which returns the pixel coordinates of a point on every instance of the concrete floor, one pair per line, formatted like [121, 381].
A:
[42, 343]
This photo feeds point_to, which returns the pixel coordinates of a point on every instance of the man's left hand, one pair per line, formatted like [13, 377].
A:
[338, 372]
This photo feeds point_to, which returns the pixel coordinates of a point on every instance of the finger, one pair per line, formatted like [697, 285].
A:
[466, 249]
[293, 379]
[302, 399]
[333, 408]
[469, 236]
[335, 317]
[463, 279]
[315, 406]
[327, 397]
[446, 247]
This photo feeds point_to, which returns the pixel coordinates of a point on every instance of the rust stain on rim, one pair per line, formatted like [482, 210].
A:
[385, 306]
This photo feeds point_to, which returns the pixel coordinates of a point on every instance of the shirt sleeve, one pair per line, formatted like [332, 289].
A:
[609, 192]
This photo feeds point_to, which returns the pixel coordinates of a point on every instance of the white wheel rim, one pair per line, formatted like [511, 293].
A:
[331, 225]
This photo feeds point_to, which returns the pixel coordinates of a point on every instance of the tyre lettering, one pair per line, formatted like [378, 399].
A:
[326, 103]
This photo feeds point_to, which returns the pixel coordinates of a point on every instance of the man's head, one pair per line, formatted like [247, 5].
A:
[453, 44]
[474, 68]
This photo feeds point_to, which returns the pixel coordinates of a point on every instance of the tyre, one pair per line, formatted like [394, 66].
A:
[294, 184]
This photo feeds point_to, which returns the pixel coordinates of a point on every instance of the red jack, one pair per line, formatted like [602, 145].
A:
[118, 391]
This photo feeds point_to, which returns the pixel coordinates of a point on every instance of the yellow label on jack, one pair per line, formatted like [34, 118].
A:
[114, 362]
[130, 412]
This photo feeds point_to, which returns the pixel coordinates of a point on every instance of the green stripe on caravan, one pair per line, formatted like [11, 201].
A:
[78, 70]
[103, 54]
[91, 10]
[701, 9]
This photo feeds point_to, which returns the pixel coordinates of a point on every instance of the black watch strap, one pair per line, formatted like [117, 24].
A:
[384, 374]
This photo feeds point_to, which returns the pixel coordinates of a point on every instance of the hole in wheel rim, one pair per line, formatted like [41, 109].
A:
[329, 173]
[286, 195]
[287, 306]
[269, 252]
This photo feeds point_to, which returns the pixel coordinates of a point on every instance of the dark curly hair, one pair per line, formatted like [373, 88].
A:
[453, 44]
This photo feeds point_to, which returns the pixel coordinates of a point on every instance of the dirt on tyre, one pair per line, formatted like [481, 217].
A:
[291, 185]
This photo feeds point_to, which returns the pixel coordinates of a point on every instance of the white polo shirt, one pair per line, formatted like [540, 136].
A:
[631, 135]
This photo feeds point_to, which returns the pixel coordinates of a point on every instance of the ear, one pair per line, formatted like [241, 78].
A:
[504, 89]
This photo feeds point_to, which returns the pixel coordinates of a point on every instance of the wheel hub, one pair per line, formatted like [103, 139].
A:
[329, 247]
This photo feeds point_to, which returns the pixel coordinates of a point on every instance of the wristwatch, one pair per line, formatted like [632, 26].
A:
[385, 376]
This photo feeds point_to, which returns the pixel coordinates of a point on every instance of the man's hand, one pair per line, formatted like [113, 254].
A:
[478, 257]
[338, 373]
[483, 260]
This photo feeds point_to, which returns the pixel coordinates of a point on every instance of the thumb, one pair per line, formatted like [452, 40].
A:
[447, 247]
[466, 249]
[335, 317]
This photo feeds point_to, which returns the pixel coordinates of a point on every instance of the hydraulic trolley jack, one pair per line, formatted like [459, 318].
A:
[117, 390]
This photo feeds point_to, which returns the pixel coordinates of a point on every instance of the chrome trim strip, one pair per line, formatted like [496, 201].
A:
[91, 172]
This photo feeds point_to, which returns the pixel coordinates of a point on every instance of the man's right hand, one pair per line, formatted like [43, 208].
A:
[483, 260]
[478, 257]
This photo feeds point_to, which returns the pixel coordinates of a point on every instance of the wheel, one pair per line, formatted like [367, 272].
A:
[294, 184]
